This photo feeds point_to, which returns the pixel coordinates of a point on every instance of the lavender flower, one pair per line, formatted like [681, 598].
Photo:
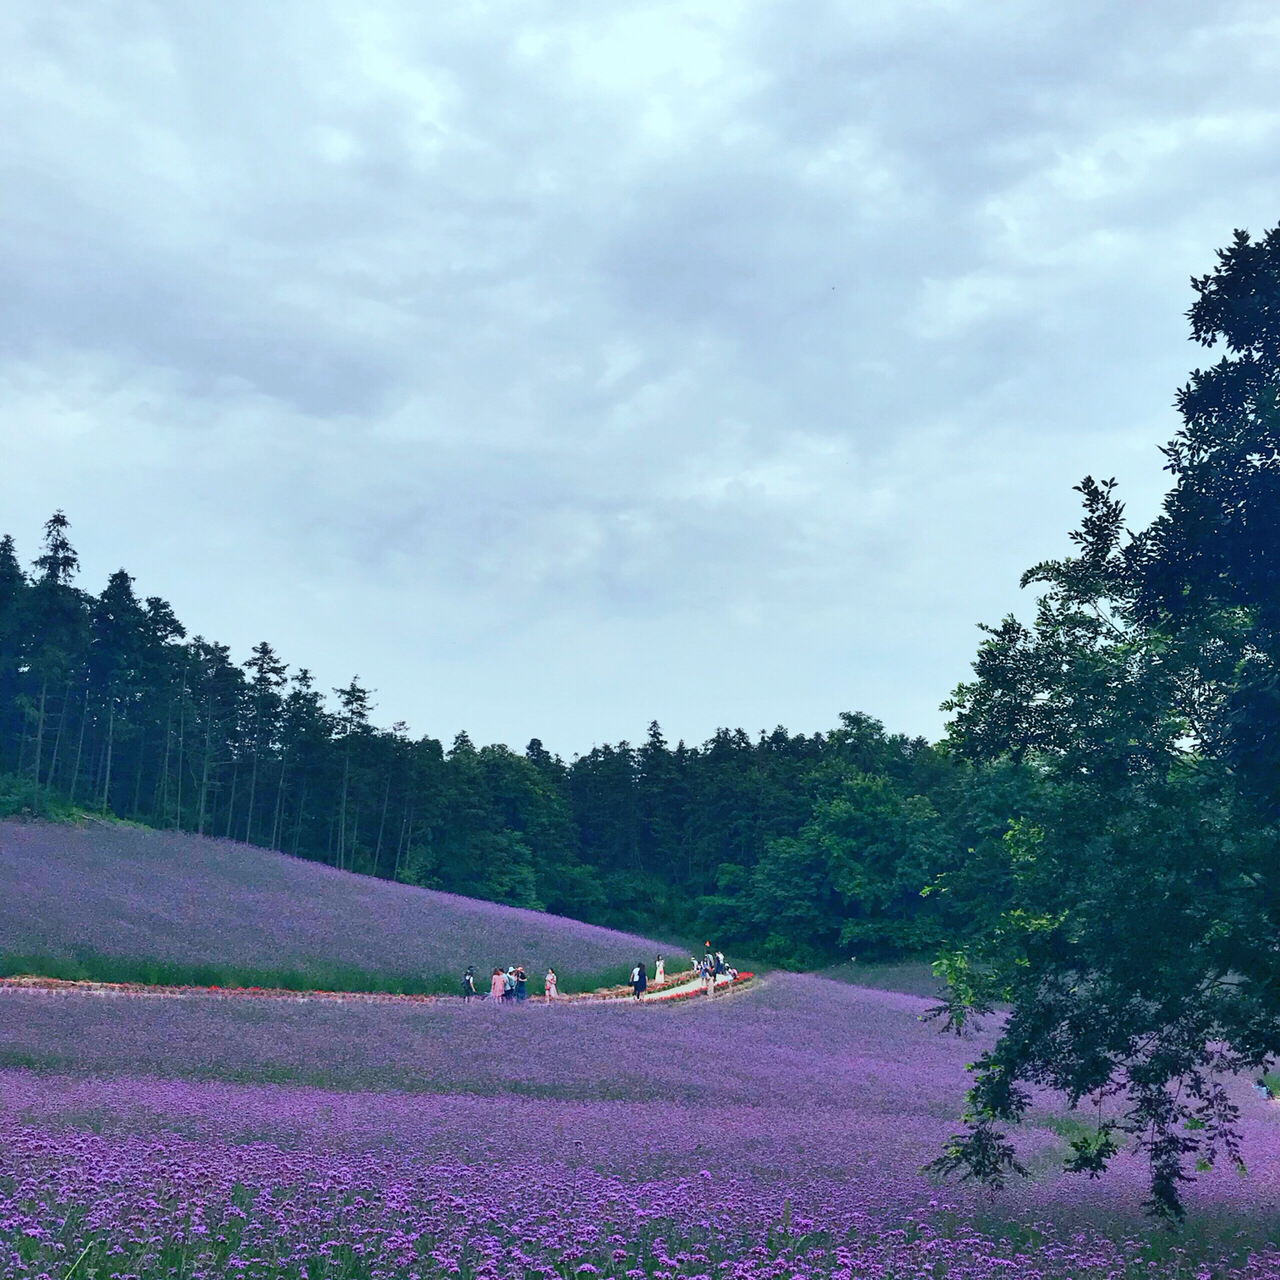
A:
[776, 1135]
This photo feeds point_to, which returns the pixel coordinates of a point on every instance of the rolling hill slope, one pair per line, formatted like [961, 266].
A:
[115, 902]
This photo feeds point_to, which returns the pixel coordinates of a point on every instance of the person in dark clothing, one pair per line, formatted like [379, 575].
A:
[521, 979]
[469, 984]
[639, 981]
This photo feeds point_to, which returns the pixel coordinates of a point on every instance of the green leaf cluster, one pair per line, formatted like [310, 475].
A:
[1134, 905]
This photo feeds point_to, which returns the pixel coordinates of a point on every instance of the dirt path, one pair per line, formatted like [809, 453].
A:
[689, 985]
[680, 986]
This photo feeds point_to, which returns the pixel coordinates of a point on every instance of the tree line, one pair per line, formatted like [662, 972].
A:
[792, 848]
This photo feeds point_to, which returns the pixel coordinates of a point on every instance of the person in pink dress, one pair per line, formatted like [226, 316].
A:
[549, 984]
[495, 986]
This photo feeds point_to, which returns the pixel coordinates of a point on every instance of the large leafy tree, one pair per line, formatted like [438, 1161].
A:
[1139, 884]
[852, 877]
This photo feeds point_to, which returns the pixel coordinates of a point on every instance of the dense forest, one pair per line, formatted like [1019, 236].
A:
[795, 849]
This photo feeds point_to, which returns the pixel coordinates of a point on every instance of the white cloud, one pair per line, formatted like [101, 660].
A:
[561, 366]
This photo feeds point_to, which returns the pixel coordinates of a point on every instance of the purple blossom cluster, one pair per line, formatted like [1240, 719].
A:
[792, 1043]
[627, 1139]
[165, 1205]
[791, 1070]
[772, 1134]
[122, 891]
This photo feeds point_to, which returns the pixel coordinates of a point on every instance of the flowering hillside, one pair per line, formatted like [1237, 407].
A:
[180, 904]
[772, 1133]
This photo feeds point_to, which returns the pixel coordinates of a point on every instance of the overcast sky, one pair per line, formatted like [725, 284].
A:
[561, 366]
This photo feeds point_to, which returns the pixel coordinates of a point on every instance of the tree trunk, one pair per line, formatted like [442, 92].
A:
[342, 808]
[231, 804]
[111, 732]
[44, 688]
[377, 852]
[137, 782]
[204, 769]
[57, 738]
[276, 822]
[160, 800]
[253, 788]
[297, 826]
[182, 733]
[406, 834]
[84, 716]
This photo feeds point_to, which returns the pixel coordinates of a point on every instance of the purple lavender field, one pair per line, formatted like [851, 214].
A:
[776, 1133]
[186, 902]
[773, 1134]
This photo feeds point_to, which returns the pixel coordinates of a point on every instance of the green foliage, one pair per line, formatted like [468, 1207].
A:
[107, 707]
[1092, 1150]
[21, 798]
[1128, 914]
[982, 1153]
[852, 877]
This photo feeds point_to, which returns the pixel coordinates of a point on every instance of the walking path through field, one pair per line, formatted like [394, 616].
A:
[680, 986]
[687, 986]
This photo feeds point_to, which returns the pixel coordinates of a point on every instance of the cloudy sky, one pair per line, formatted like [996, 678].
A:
[558, 366]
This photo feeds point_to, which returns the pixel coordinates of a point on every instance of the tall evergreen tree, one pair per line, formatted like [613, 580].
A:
[57, 636]
[268, 678]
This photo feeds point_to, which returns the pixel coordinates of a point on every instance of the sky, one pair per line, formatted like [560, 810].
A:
[559, 367]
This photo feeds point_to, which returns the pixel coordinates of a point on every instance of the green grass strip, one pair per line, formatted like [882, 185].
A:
[88, 966]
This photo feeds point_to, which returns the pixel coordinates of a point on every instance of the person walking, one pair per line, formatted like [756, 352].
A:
[496, 985]
[709, 974]
[522, 991]
[659, 973]
[638, 980]
[549, 984]
[469, 984]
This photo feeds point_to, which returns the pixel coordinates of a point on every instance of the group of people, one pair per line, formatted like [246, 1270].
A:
[511, 983]
[640, 978]
[712, 968]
